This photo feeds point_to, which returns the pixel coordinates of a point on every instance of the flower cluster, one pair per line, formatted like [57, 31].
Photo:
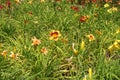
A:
[12, 54]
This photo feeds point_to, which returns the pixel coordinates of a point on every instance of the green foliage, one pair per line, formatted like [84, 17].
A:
[22, 22]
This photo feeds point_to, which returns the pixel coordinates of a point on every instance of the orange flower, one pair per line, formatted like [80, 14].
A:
[13, 55]
[54, 35]
[35, 41]
[91, 37]
[4, 53]
[44, 50]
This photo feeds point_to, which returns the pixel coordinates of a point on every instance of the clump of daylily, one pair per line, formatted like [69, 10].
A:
[35, 41]
[54, 35]
[44, 50]
[114, 46]
[91, 37]
[12, 55]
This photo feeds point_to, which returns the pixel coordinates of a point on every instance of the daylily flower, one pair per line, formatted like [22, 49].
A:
[4, 53]
[13, 55]
[84, 18]
[35, 41]
[91, 37]
[54, 35]
[44, 50]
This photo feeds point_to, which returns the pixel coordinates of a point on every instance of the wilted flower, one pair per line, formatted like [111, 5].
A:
[84, 18]
[4, 53]
[91, 37]
[44, 50]
[75, 8]
[74, 50]
[106, 5]
[35, 41]
[54, 35]
[1, 7]
[8, 3]
[30, 13]
[13, 55]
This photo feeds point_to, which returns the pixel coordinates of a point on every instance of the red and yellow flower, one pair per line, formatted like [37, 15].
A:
[54, 35]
